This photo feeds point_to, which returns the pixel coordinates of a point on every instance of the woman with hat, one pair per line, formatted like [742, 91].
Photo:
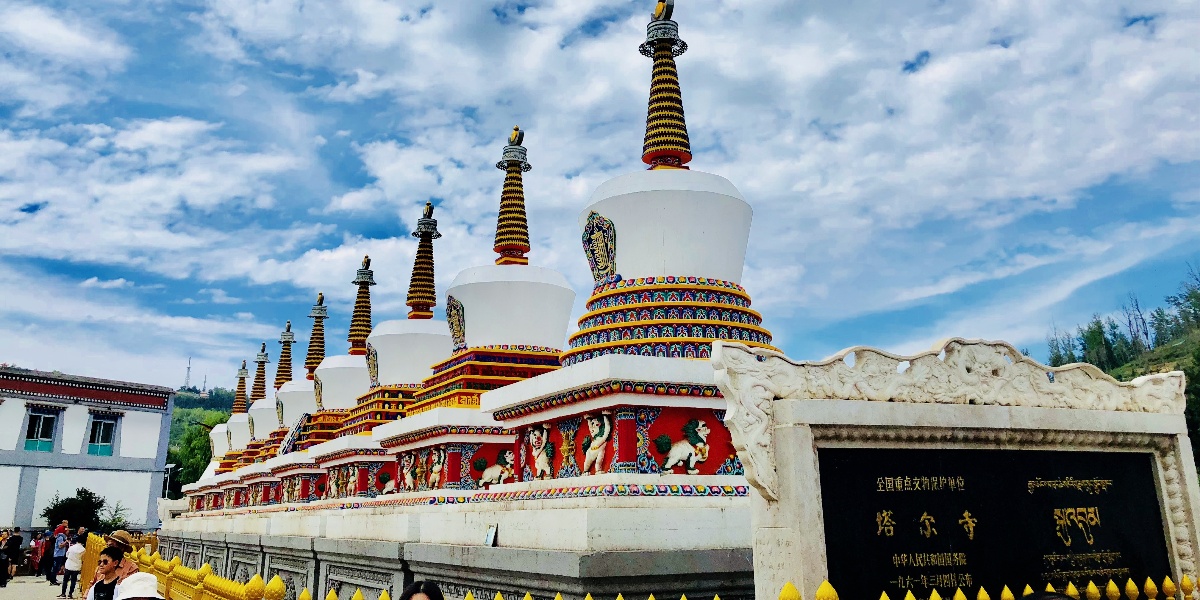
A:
[121, 540]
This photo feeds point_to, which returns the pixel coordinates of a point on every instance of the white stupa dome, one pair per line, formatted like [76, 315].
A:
[239, 431]
[343, 379]
[675, 222]
[405, 349]
[513, 305]
[298, 398]
[220, 440]
[265, 417]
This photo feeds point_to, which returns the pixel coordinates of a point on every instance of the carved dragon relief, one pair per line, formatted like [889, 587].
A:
[956, 371]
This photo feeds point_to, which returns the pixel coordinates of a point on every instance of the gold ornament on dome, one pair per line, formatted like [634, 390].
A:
[373, 365]
[600, 246]
[317, 392]
[457, 319]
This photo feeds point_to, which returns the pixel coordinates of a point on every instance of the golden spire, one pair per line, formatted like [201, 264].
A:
[360, 319]
[316, 341]
[239, 394]
[259, 391]
[512, 228]
[422, 296]
[283, 373]
[666, 144]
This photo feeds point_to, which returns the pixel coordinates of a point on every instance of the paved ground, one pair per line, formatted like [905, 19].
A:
[25, 587]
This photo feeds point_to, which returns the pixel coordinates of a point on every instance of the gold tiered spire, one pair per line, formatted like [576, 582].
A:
[422, 296]
[283, 373]
[239, 394]
[316, 341]
[512, 228]
[259, 390]
[360, 320]
[666, 145]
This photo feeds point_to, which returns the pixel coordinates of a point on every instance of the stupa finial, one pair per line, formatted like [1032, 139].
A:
[512, 227]
[316, 341]
[422, 296]
[666, 145]
[239, 393]
[259, 390]
[360, 319]
[283, 373]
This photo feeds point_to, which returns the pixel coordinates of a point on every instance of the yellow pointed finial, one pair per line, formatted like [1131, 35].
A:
[619, 596]
[1131, 590]
[422, 294]
[1091, 592]
[1071, 590]
[1150, 588]
[331, 595]
[1006, 594]
[716, 597]
[666, 145]
[469, 596]
[934, 595]
[1050, 588]
[1168, 588]
[789, 592]
[1185, 586]
[884, 596]
[316, 341]
[358, 595]
[304, 595]
[498, 596]
[383, 595]
[589, 597]
[1111, 591]
[651, 597]
[528, 596]
[558, 596]
[360, 319]
[512, 225]
[1027, 591]
[982, 595]
[283, 372]
[683, 597]
[825, 591]
[959, 595]
[909, 595]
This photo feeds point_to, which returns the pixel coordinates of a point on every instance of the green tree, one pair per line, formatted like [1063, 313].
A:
[1192, 394]
[82, 509]
[194, 450]
[1094, 345]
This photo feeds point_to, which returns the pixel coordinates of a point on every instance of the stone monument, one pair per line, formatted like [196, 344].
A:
[965, 466]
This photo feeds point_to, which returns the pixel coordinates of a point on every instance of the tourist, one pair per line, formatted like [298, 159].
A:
[139, 586]
[15, 548]
[106, 568]
[72, 567]
[60, 552]
[35, 554]
[3, 567]
[422, 590]
[123, 541]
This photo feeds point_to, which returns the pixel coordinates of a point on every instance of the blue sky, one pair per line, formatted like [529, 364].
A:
[179, 178]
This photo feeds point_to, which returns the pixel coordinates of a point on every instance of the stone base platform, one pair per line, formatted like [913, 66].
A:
[619, 533]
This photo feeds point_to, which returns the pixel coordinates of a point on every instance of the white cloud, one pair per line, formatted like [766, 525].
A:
[105, 284]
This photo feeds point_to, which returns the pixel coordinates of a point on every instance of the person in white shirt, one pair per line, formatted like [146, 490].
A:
[72, 568]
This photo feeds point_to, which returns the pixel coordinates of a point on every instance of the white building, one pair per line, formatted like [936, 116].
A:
[61, 432]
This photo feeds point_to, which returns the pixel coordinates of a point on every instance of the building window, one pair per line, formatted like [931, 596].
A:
[100, 442]
[39, 436]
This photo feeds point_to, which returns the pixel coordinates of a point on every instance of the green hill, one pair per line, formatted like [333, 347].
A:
[1176, 355]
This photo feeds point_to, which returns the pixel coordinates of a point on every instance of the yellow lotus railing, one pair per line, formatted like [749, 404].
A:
[177, 582]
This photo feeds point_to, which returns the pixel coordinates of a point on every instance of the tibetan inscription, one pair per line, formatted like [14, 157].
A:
[918, 520]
